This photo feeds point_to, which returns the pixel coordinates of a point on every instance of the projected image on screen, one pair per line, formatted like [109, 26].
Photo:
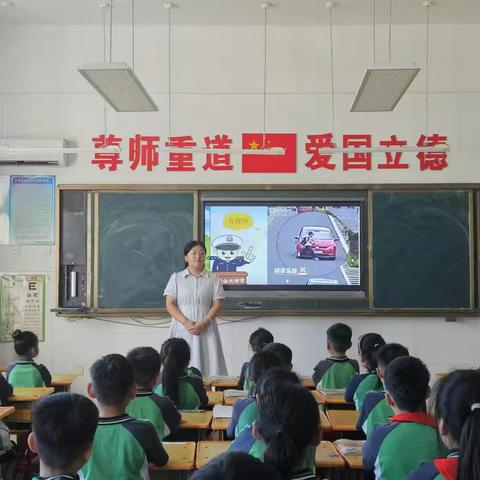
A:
[309, 245]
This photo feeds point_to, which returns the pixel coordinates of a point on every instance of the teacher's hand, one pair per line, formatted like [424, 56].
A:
[197, 328]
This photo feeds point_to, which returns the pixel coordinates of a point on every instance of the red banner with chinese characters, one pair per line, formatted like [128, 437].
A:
[146, 152]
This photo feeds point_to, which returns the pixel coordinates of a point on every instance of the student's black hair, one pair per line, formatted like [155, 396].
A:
[406, 380]
[174, 359]
[390, 352]
[368, 345]
[274, 377]
[456, 395]
[288, 422]
[63, 425]
[146, 365]
[340, 337]
[259, 339]
[192, 244]
[112, 378]
[236, 466]
[261, 362]
[284, 352]
[23, 342]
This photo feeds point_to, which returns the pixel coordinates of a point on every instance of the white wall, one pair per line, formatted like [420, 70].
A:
[217, 80]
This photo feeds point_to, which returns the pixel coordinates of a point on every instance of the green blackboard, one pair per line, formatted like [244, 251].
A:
[421, 250]
[140, 244]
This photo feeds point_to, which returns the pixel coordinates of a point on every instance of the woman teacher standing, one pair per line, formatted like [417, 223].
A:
[193, 299]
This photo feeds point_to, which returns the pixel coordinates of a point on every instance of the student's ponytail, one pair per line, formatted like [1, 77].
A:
[175, 357]
[469, 458]
[288, 423]
[457, 403]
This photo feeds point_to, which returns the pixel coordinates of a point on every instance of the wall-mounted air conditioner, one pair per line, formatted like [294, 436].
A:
[34, 151]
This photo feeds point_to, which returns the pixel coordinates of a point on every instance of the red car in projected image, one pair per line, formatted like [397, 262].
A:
[315, 242]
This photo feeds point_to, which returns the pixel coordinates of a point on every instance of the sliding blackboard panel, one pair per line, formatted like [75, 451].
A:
[421, 250]
[140, 244]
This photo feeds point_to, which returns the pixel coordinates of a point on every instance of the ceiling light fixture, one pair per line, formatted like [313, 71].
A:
[117, 82]
[383, 86]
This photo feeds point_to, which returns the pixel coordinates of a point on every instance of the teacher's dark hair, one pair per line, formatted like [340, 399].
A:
[193, 244]
[174, 358]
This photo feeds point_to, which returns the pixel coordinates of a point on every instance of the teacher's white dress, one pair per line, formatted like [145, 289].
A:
[194, 297]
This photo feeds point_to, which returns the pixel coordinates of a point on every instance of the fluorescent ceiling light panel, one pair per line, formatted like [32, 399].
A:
[382, 87]
[119, 86]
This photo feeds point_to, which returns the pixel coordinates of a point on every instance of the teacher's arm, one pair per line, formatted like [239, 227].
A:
[174, 311]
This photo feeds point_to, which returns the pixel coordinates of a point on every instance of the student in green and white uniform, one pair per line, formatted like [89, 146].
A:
[63, 428]
[457, 408]
[25, 372]
[234, 466]
[337, 370]
[160, 411]
[123, 446]
[394, 450]
[271, 381]
[361, 384]
[245, 410]
[258, 339]
[375, 409]
[182, 385]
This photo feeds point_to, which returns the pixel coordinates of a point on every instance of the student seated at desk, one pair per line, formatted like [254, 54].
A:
[245, 410]
[6, 390]
[182, 385]
[288, 425]
[457, 408]
[123, 446]
[25, 372]
[63, 428]
[236, 466]
[271, 380]
[392, 451]
[257, 341]
[337, 370]
[158, 410]
[284, 352]
[375, 409]
[361, 384]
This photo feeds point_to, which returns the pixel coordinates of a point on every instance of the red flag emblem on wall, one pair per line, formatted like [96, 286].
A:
[286, 163]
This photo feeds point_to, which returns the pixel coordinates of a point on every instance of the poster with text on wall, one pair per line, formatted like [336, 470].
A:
[32, 210]
[22, 305]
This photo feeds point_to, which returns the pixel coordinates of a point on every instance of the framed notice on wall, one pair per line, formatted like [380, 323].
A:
[22, 305]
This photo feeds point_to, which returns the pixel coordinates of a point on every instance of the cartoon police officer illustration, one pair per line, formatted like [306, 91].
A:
[228, 256]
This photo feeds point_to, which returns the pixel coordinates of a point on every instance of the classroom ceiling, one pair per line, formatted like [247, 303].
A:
[238, 12]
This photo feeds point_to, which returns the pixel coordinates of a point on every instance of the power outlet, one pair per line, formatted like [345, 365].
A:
[78, 370]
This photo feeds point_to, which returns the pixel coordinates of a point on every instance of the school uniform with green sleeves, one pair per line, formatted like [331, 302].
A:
[393, 451]
[192, 394]
[439, 469]
[375, 410]
[244, 413]
[360, 385]
[334, 372]
[160, 411]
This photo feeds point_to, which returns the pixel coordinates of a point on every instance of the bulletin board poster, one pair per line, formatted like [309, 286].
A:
[4, 218]
[22, 305]
[32, 210]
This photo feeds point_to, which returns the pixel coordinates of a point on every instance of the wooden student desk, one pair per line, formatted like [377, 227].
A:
[62, 382]
[214, 398]
[206, 451]
[343, 420]
[220, 423]
[329, 399]
[181, 456]
[6, 411]
[325, 422]
[353, 461]
[23, 398]
[196, 420]
[327, 456]
[231, 400]
[223, 382]
[307, 382]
